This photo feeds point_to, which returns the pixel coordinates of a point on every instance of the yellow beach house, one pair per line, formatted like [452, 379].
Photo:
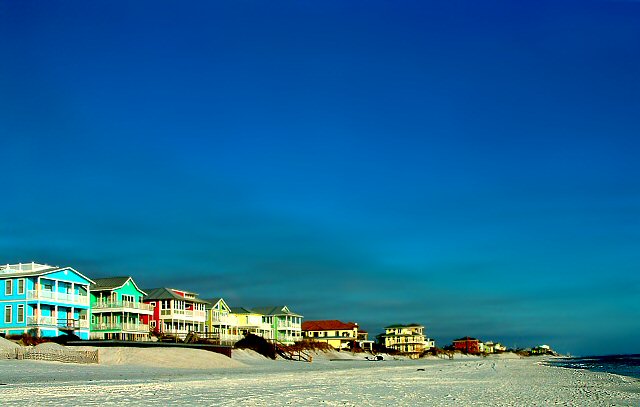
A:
[407, 339]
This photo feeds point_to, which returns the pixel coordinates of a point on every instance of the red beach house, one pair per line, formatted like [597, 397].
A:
[467, 344]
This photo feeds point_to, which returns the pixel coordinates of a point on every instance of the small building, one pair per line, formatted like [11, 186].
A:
[492, 347]
[118, 310]
[175, 312]
[406, 339]
[467, 345]
[44, 300]
[543, 350]
[363, 340]
[338, 334]
[489, 347]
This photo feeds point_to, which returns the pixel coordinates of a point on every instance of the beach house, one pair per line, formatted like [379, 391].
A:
[363, 339]
[406, 339]
[285, 325]
[118, 310]
[467, 345]
[222, 324]
[338, 334]
[250, 321]
[44, 300]
[175, 312]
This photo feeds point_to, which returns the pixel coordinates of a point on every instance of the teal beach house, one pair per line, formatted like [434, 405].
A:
[117, 310]
[43, 300]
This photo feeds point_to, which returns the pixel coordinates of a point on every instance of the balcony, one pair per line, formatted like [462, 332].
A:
[59, 323]
[289, 325]
[53, 296]
[223, 319]
[183, 314]
[108, 305]
[121, 327]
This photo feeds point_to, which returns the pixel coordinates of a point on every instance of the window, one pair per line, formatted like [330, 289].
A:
[8, 287]
[20, 318]
[7, 314]
[21, 286]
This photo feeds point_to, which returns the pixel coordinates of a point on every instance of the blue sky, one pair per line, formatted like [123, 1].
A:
[471, 166]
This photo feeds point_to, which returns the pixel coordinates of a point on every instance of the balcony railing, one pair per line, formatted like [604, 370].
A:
[121, 304]
[42, 321]
[129, 327]
[223, 319]
[60, 323]
[181, 313]
[288, 338]
[48, 295]
[288, 325]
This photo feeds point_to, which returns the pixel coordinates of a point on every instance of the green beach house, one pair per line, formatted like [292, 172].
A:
[286, 325]
[117, 310]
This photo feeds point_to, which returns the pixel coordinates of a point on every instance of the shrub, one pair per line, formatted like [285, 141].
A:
[258, 344]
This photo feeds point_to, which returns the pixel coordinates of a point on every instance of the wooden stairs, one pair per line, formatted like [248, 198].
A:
[284, 352]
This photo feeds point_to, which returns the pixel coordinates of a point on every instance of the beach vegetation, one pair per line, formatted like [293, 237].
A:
[257, 344]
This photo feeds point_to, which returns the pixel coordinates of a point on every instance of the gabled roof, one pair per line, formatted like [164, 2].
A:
[112, 283]
[164, 293]
[34, 270]
[275, 310]
[211, 302]
[327, 325]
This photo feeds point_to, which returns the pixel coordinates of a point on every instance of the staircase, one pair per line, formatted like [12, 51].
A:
[286, 353]
[192, 337]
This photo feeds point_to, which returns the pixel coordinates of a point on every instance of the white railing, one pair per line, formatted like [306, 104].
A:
[122, 304]
[48, 295]
[58, 322]
[73, 323]
[223, 319]
[42, 321]
[180, 313]
[107, 326]
[290, 325]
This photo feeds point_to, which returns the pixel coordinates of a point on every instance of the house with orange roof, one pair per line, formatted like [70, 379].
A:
[338, 334]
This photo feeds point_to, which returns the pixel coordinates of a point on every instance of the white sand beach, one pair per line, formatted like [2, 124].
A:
[196, 377]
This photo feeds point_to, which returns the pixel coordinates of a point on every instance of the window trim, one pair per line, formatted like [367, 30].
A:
[18, 319]
[10, 315]
[24, 286]
[8, 287]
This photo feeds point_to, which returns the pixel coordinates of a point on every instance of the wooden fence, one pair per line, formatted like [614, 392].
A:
[63, 355]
